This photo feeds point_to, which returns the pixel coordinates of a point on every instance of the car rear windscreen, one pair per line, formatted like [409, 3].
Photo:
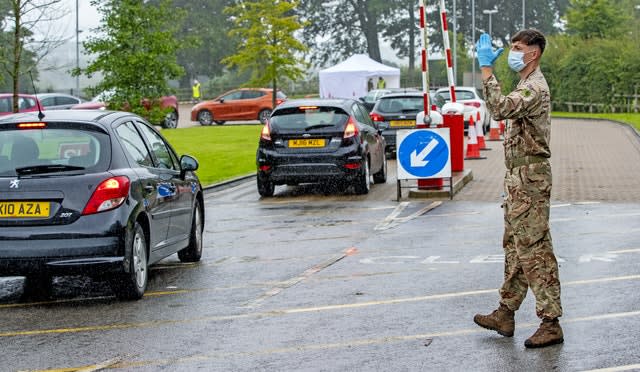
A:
[52, 149]
[460, 94]
[390, 105]
[308, 117]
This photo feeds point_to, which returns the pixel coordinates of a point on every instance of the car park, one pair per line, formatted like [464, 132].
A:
[93, 192]
[473, 103]
[398, 111]
[170, 102]
[58, 101]
[26, 103]
[332, 141]
[237, 104]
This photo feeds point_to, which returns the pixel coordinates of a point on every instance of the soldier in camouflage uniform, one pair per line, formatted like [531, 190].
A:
[529, 258]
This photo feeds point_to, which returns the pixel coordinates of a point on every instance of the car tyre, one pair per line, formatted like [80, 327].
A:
[171, 120]
[362, 184]
[193, 252]
[265, 187]
[38, 287]
[205, 117]
[131, 285]
[264, 115]
[381, 176]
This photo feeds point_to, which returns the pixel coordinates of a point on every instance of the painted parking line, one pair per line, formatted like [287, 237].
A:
[290, 311]
[629, 367]
[425, 338]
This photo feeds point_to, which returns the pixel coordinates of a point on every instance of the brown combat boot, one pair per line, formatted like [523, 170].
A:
[549, 333]
[500, 320]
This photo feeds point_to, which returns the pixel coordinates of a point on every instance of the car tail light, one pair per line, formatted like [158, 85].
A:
[32, 125]
[351, 129]
[376, 117]
[266, 132]
[109, 194]
[352, 165]
[474, 104]
[279, 101]
[265, 168]
[434, 108]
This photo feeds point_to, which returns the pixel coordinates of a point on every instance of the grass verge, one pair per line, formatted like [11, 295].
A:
[224, 152]
[632, 119]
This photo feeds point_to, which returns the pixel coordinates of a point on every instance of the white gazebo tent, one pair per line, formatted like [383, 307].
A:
[349, 78]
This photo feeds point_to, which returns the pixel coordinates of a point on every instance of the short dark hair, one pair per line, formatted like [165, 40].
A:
[531, 36]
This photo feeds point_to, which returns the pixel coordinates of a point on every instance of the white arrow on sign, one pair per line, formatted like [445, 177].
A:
[418, 160]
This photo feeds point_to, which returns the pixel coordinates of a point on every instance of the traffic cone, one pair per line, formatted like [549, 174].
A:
[494, 131]
[480, 133]
[473, 150]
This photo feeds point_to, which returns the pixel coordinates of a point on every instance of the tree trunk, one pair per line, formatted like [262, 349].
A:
[369, 23]
[412, 39]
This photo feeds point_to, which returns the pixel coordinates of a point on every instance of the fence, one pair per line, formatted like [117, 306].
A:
[621, 104]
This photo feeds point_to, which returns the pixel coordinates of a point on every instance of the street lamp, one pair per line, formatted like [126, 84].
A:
[490, 12]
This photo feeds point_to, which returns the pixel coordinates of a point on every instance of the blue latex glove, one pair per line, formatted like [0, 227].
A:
[486, 55]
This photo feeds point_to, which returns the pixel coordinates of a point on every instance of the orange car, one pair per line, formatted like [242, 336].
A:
[237, 104]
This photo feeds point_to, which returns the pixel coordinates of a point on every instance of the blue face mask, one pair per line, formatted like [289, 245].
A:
[516, 60]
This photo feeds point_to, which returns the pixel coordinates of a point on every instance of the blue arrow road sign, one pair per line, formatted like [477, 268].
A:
[423, 153]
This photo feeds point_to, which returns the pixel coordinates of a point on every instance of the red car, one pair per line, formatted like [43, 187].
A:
[237, 104]
[26, 103]
[99, 103]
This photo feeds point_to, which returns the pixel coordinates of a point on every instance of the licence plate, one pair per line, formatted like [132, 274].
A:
[318, 142]
[402, 123]
[24, 209]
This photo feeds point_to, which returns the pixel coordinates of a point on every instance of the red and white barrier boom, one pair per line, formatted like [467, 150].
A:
[425, 67]
[445, 39]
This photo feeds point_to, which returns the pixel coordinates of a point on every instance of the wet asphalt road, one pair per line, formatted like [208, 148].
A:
[307, 281]
[329, 281]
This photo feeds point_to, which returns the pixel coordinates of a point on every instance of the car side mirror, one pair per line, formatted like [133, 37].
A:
[187, 164]
[221, 100]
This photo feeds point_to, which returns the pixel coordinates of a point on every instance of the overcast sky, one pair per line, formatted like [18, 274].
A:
[88, 16]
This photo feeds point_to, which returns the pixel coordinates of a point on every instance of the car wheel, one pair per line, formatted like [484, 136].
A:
[170, 121]
[193, 252]
[219, 122]
[362, 184]
[263, 116]
[265, 187]
[205, 117]
[131, 285]
[38, 287]
[381, 176]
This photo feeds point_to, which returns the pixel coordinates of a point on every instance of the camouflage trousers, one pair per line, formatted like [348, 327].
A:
[529, 258]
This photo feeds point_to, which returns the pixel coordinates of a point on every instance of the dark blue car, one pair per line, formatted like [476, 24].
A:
[100, 193]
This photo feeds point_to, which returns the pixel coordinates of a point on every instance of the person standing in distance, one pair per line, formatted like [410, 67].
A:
[529, 258]
[195, 90]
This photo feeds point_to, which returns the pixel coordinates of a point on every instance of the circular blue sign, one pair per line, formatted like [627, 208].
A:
[423, 153]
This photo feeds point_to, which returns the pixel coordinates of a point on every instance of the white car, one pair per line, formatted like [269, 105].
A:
[472, 102]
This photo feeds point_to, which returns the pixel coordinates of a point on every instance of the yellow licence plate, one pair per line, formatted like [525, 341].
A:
[24, 209]
[319, 142]
[402, 123]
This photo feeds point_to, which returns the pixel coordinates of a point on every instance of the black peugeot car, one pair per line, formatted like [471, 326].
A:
[320, 140]
[100, 193]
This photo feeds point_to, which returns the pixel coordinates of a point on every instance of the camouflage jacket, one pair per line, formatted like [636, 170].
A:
[528, 110]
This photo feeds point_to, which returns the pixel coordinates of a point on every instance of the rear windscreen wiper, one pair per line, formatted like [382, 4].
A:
[47, 168]
[316, 126]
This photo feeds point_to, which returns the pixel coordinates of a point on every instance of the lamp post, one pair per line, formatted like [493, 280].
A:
[77, 92]
[523, 7]
[490, 12]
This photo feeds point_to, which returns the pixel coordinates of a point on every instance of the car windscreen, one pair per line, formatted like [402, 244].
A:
[52, 151]
[405, 104]
[308, 117]
[460, 94]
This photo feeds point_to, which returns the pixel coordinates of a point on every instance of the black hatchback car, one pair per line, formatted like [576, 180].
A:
[99, 193]
[320, 140]
[398, 111]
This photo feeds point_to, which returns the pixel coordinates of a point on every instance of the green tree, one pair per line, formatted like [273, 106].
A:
[206, 25]
[26, 36]
[598, 18]
[135, 51]
[268, 47]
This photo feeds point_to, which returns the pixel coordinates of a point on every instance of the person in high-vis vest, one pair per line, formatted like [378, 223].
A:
[195, 91]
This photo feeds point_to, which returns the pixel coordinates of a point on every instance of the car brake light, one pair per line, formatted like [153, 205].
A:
[474, 104]
[434, 108]
[266, 132]
[32, 125]
[376, 117]
[279, 101]
[351, 130]
[110, 194]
